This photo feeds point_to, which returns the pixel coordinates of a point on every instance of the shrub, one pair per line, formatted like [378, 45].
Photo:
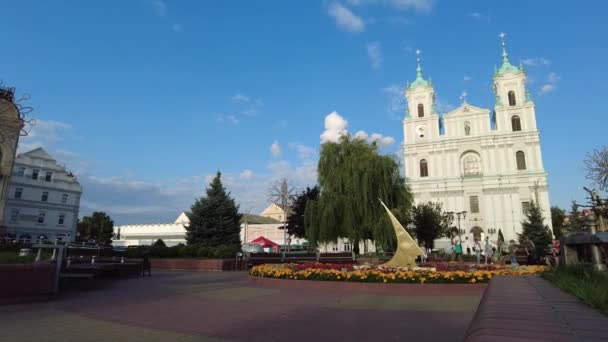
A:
[583, 282]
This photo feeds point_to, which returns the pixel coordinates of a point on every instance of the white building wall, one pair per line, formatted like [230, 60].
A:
[27, 213]
[500, 186]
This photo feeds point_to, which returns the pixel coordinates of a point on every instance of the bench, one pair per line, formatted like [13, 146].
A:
[529, 308]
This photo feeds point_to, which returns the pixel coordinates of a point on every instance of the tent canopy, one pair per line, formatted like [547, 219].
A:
[265, 242]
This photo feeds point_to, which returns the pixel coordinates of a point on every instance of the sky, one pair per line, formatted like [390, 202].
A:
[145, 100]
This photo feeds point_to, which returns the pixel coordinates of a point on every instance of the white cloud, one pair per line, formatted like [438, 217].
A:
[247, 174]
[547, 88]
[275, 149]
[374, 52]
[466, 78]
[232, 119]
[418, 5]
[480, 16]
[553, 78]
[380, 140]
[396, 101]
[536, 61]
[159, 7]
[304, 152]
[177, 28]
[240, 98]
[345, 19]
[335, 127]
[551, 85]
[361, 135]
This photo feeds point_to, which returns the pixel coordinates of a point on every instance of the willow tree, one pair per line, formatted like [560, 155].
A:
[352, 177]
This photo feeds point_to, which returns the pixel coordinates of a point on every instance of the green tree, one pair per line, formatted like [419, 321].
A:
[352, 178]
[576, 221]
[215, 219]
[99, 227]
[295, 221]
[534, 228]
[558, 217]
[430, 223]
[159, 243]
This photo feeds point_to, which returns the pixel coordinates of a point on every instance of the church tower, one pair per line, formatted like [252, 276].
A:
[514, 107]
[421, 124]
[422, 120]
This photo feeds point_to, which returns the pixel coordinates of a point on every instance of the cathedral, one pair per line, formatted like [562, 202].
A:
[484, 162]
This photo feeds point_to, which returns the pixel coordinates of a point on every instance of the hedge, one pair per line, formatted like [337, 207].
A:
[184, 251]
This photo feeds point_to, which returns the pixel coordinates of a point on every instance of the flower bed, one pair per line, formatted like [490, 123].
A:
[375, 274]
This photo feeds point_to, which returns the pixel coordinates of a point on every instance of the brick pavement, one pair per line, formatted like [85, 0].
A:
[224, 306]
[532, 309]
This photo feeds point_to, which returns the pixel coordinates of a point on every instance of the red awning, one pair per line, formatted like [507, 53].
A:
[265, 242]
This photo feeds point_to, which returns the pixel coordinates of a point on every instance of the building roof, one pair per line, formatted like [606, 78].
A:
[37, 153]
[257, 219]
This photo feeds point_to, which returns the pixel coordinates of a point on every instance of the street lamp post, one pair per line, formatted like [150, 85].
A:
[459, 214]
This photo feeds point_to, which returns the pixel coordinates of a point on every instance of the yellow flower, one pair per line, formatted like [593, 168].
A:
[473, 280]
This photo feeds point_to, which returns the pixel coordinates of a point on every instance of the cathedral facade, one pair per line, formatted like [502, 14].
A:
[487, 163]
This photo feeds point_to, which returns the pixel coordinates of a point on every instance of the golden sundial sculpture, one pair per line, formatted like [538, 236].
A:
[407, 248]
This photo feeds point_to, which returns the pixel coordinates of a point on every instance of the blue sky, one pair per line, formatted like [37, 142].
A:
[145, 99]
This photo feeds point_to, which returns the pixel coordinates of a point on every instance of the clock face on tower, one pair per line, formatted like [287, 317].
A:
[420, 130]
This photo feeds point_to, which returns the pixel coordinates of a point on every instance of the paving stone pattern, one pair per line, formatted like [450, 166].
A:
[229, 306]
[532, 309]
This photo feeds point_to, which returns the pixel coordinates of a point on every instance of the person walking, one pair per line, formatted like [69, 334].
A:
[487, 249]
[513, 252]
[477, 249]
[456, 248]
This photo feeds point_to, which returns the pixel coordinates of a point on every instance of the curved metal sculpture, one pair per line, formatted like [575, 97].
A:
[407, 248]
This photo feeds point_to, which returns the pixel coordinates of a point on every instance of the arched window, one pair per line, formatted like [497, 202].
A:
[515, 123]
[424, 168]
[512, 98]
[521, 160]
[421, 110]
[467, 128]
[471, 165]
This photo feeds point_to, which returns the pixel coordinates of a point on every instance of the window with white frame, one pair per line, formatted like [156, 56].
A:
[35, 173]
[21, 171]
[14, 215]
[45, 196]
[48, 176]
[18, 192]
[61, 219]
[41, 217]
[64, 198]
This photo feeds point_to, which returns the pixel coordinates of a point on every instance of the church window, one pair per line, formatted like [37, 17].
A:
[512, 98]
[467, 128]
[424, 168]
[421, 110]
[471, 165]
[21, 171]
[525, 207]
[521, 160]
[515, 123]
[474, 204]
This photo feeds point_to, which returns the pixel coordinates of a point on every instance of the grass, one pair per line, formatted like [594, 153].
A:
[584, 282]
[14, 258]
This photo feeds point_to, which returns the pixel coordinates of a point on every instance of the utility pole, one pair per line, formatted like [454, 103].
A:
[281, 193]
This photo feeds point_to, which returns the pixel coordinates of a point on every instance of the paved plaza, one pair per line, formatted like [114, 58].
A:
[208, 306]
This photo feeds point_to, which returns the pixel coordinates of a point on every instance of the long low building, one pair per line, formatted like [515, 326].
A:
[252, 228]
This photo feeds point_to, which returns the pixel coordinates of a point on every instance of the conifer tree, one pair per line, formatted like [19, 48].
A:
[534, 228]
[214, 219]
